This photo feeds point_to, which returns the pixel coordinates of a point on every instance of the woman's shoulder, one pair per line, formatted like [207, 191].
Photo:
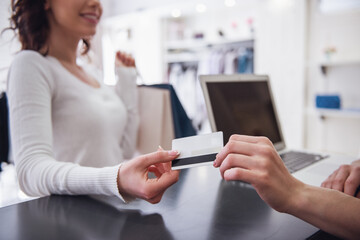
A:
[31, 64]
[28, 57]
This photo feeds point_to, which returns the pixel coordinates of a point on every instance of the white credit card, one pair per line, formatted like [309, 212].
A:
[197, 150]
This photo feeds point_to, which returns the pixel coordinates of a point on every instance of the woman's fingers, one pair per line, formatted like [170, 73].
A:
[157, 198]
[165, 167]
[154, 158]
[160, 168]
[156, 186]
[125, 59]
[133, 175]
[155, 170]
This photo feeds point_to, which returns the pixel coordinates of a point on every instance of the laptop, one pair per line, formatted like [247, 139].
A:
[244, 104]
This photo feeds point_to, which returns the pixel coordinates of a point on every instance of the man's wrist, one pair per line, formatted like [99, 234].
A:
[298, 198]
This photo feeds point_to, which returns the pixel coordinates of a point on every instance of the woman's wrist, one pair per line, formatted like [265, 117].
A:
[121, 191]
[118, 181]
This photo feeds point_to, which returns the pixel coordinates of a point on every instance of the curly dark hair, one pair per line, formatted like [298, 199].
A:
[29, 20]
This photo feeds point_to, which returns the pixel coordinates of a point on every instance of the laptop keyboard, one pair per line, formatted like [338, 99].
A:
[295, 161]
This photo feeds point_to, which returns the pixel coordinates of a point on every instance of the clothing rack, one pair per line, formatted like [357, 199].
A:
[235, 44]
[189, 61]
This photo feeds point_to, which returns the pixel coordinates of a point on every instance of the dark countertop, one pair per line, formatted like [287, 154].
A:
[200, 206]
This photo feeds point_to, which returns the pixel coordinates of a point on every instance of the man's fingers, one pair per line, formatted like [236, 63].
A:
[323, 184]
[358, 195]
[236, 160]
[233, 146]
[352, 183]
[235, 174]
[250, 139]
[338, 181]
[327, 183]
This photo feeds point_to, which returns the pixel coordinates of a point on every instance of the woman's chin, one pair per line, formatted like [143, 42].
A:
[89, 33]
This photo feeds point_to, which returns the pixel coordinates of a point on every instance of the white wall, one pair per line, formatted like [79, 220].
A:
[280, 49]
[8, 45]
[340, 132]
[146, 44]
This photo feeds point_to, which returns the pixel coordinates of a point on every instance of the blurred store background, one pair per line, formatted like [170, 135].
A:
[309, 48]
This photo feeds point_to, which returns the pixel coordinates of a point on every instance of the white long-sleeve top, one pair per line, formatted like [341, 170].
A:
[68, 137]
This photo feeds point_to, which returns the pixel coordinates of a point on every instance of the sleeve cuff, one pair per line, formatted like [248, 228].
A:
[126, 72]
[126, 87]
[110, 179]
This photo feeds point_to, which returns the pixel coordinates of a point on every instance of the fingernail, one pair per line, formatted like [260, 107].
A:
[160, 148]
[214, 163]
[173, 153]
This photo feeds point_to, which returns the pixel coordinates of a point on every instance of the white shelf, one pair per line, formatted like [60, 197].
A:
[325, 65]
[196, 44]
[335, 113]
[340, 63]
[182, 57]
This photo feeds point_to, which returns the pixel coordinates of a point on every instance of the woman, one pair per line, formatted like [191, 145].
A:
[255, 160]
[69, 131]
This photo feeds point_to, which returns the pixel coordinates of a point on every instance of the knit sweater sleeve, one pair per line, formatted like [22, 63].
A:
[126, 89]
[30, 91]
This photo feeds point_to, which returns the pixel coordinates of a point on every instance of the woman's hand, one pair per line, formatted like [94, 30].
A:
[124, 60]
[255, 160]
[345, 179]
[133, 179]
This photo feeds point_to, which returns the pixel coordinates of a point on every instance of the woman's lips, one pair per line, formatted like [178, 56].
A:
[90, 17]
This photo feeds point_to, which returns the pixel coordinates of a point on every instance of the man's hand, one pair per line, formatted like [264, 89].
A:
[345, 179]
[255, 160]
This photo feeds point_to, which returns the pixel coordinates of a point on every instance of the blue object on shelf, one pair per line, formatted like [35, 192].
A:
[328, 101]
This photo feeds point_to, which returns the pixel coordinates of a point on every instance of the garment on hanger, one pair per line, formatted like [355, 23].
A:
[231, 59]
[246, 61]
[184, 83]
[227, 59]
[4, 129]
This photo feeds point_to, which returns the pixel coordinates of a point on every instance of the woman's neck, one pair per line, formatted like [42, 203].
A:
[62, 45]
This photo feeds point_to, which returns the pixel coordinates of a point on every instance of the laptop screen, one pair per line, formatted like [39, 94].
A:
[243, 107]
